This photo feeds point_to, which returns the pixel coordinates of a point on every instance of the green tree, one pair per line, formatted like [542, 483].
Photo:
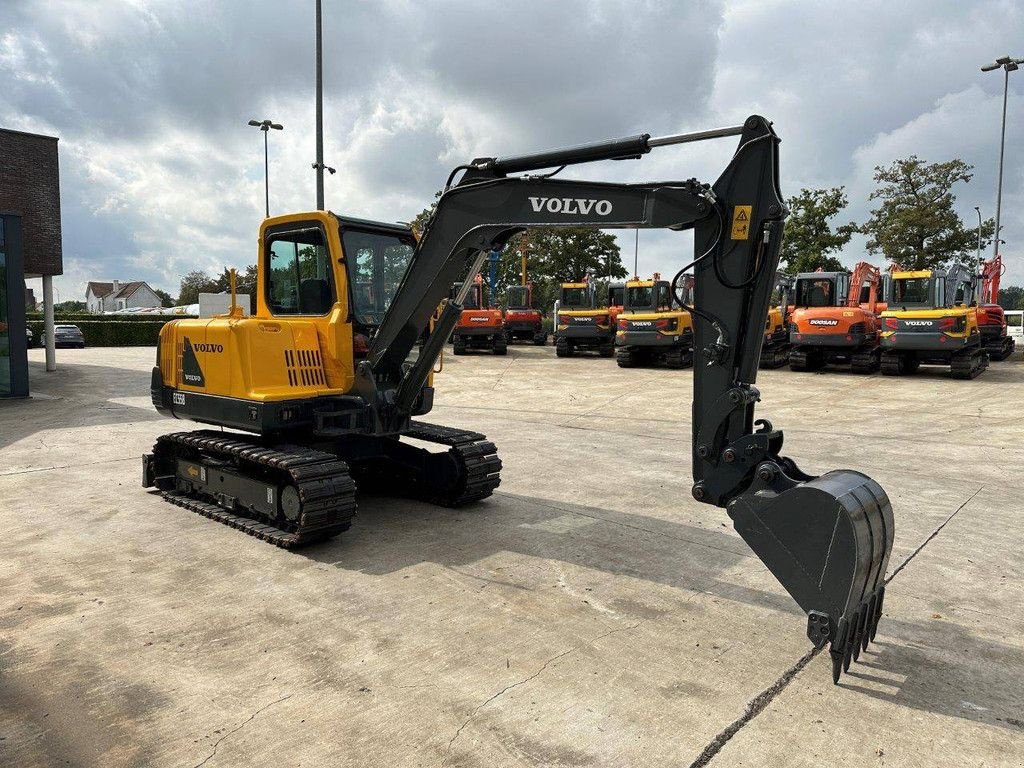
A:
[915, 224]
[1011, 297]
[69, 306]
[165, 297]
[557, 256]
[194, 283]
[809, 237]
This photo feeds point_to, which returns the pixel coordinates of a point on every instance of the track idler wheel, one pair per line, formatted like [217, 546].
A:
[827, 540]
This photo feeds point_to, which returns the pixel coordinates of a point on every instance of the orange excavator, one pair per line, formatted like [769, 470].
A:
[523, 321]
[991, 317]
[479, 327]
[835, 322]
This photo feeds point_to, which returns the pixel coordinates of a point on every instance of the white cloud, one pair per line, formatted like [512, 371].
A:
[161, 174]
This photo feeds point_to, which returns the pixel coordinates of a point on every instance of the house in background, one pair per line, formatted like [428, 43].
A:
[30, 300]
[116, 296]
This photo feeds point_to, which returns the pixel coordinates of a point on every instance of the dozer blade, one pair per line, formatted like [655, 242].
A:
[827, 540]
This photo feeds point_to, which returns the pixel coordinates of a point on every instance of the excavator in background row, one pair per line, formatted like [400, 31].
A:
[833, 322]
[523, 321]
[932, 318]
[991, 316]
[480, 327]
[580, 324]
[652, 328]
[776, 347]
[318, 416]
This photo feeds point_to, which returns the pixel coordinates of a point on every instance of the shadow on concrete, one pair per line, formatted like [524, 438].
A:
[391, 534]
[75, 395]
[916, 671]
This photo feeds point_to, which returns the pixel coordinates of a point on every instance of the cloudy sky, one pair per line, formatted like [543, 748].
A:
[160, 173]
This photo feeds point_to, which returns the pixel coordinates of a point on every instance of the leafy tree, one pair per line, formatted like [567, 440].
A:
[1011, 297]
[559, 256]
[809, 237]
[194, 283]
[915, 224]
[165, 297]
[69, 306]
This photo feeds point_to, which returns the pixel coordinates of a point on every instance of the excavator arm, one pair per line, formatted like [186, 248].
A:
[827, 539]
[864, 271]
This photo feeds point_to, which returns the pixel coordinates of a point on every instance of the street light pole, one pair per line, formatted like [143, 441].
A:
[265, 126]
[319, 111]
[1008, 65]
[979, 234]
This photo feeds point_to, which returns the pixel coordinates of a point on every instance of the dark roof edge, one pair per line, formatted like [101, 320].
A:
[26, 133]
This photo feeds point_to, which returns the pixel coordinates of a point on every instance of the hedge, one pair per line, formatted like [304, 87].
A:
[79, 317]
[104, 333]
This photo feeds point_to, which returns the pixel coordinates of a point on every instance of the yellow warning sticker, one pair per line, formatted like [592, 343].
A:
[741, 221]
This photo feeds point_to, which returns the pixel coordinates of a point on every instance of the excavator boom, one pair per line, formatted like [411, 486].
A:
[827, 538]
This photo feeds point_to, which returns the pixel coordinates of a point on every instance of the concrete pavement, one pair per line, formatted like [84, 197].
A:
[590, 613]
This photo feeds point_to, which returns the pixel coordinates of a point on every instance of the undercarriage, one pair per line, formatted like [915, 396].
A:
[292, 495]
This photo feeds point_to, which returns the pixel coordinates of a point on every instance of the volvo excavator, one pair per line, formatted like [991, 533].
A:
[651, 329]
[581, 325]
[932, 318]
[323, 395]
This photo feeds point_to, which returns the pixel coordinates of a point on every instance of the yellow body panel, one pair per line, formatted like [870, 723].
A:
[266, 357]
[971, 313]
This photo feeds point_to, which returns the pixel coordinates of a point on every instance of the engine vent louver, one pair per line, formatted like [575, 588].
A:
[305, 367]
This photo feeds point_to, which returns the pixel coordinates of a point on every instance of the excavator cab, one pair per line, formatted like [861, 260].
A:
[835, 320]
[652, 328]
[313, 419]
[932, 319]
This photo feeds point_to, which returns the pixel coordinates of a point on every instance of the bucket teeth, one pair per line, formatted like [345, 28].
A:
[827, 540]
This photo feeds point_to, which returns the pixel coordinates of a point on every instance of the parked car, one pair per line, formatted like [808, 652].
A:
[67, 336]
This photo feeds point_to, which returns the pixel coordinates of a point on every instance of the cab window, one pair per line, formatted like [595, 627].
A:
[575, 297]
[664, 296]
[377, 262]
[299, 273]
[640, 297]
[815, 292]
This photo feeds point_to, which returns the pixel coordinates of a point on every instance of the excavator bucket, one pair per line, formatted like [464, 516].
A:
[827, 540]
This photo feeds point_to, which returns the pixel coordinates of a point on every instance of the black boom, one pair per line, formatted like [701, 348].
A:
[827, 539]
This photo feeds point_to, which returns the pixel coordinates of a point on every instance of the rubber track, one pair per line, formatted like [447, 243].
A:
[326, 489]
[477, 457]
[968, 366]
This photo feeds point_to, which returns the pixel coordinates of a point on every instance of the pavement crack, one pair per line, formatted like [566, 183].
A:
[239, 727]
[754, 707]
[934, 533]
[526, 680]
[499, 694]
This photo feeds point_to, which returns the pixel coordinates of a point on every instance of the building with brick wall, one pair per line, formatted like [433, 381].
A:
[30, 201]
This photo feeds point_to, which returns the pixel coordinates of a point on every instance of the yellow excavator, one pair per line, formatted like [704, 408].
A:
[653, 328]
[932, 318]
[324, 385]
[581, 325]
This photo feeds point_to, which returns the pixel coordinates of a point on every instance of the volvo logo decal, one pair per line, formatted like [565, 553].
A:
[571, 205]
